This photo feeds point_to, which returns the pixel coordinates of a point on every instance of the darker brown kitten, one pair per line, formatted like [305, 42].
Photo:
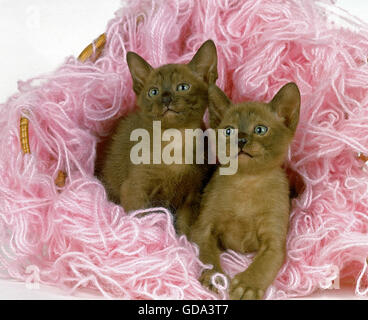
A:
[176, 95]
[249, 211]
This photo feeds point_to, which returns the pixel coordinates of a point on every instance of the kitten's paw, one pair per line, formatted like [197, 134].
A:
[206, 280]
[241, 289]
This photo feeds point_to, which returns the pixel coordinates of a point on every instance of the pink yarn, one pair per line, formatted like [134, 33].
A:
[77, 239]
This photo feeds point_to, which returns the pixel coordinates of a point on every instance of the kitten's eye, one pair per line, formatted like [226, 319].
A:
[183, 87]
[153, 92]
[260, 130]
[229, 131]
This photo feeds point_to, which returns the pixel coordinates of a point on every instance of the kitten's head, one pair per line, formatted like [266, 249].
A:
[175, 94]
[265, 130]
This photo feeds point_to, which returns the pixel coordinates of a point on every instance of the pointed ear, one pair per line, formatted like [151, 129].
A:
[139, 69]
[204, 62]
[286, 103]
[218, 104]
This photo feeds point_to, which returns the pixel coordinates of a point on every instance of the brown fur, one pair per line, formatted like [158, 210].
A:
[249, 211]
[175, 186]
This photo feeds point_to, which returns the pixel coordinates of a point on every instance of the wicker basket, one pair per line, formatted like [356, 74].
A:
[91, 52]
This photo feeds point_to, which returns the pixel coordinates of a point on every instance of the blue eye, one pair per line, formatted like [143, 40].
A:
[153, 92]
[183, 87]
[260, 130]
[229, 131]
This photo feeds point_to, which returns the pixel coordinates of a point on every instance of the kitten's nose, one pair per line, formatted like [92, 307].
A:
[166, 99]
[242, 142]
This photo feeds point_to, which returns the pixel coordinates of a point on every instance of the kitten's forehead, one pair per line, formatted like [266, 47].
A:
[168, 76]
[250, 112]
[170, 72]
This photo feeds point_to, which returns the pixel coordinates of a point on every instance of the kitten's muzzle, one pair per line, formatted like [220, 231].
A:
[167, 109]
[242, 152]
[242, 141]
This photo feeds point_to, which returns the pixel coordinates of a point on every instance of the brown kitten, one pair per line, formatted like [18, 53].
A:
[249, 211]
[176, 95]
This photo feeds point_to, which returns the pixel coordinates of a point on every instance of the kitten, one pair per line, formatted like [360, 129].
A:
[249, 211]
[176, 95]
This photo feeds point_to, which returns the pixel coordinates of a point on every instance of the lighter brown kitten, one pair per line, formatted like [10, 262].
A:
[249, 211]
[176, 95]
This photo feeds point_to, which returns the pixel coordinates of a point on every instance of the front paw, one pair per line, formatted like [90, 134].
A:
[206, 280]
[243, 289]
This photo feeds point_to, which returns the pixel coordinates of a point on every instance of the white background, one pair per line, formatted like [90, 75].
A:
[36, 36]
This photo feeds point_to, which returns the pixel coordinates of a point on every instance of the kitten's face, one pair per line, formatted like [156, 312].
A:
[265, 130]
[175, 94]
[263, 139]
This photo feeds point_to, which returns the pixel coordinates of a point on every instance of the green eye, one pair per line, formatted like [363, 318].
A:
[260, 130]
[229, 131]
[153, 92]
[183, 87]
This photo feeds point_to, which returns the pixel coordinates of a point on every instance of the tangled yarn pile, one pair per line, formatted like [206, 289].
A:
[75, 238]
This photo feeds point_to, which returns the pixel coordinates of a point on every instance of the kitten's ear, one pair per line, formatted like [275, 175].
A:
[286, 103]
[218, 104]
[204, 62]
[139, 69]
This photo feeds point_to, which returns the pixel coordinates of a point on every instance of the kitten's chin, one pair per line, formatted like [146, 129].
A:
[171, 120]
[170, 114]
[244, 160]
